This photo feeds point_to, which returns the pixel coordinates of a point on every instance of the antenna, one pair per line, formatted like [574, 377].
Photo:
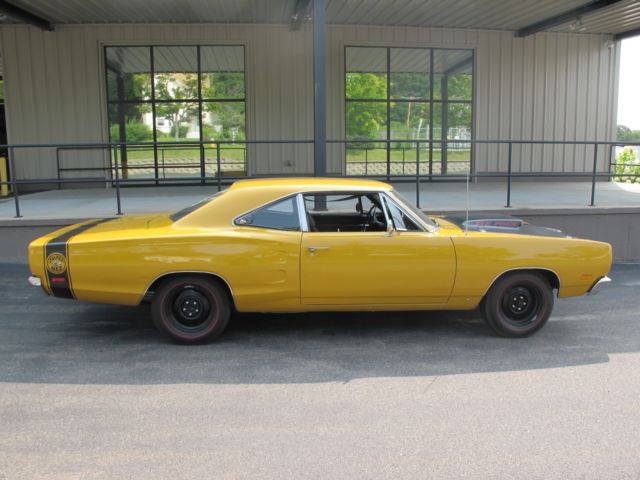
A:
[466, 222]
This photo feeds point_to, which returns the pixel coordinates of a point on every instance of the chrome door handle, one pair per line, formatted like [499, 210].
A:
[313, 250]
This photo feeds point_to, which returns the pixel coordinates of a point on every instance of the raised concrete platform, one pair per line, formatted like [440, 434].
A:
[615, 218]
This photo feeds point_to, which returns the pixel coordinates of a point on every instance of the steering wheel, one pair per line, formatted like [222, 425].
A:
[371, 219]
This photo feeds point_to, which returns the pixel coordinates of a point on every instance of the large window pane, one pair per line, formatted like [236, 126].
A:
[222, 73]
[459, 129]
[453, 74]
[410, 73]
[177, 121]
[178, 160]
[410, 120]
[366, 75]
[366, 120]
[130, 122]
[128, 73]
[223, 121]
[175, 73]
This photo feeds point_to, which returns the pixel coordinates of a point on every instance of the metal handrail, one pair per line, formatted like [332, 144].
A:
[593, 174]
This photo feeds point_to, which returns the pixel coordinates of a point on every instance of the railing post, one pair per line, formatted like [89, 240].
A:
[218, 166]
[418, 174]
[593, 175]
[508, 205]
[14, 181]
[164, 170]
[117, 179]
[58, 167]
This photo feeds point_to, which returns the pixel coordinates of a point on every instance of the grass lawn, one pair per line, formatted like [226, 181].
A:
[380, 155]
[228, 153]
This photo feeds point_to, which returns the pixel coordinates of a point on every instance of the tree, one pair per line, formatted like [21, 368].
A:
[625, 134]
[627, 163]
[176, 87]
[365, 119]
[230, 115]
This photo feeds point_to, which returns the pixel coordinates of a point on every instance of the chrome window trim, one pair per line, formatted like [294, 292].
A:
[302, 213]
[387, 202]
[385, 207]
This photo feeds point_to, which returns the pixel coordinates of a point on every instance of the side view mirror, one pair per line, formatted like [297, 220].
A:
[390, 228]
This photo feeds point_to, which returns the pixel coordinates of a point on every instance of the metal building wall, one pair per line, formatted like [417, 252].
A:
[549, 86]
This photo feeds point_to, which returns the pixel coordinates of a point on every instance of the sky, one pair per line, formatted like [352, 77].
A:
[629, 92]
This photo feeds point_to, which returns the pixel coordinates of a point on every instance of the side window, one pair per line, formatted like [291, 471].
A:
[344, 212]
[282, 215]
[401, 221]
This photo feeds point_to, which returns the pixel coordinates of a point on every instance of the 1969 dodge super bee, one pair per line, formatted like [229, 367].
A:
[284, 245]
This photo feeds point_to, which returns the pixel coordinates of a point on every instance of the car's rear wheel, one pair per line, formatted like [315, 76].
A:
[518, 304]
[191, 309]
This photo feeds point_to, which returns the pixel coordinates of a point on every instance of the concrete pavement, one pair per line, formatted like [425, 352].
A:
[434, 197]
[92, 391]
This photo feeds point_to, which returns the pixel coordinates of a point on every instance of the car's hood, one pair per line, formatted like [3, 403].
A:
[497, 223]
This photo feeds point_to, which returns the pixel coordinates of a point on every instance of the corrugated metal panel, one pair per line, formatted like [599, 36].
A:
[55, 88]
[488, 14]
[547, 86]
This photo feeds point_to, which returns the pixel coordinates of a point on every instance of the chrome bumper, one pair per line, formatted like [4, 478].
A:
[599, 285]
[35, 281]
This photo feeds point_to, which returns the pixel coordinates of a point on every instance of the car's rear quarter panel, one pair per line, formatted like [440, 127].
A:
[261, 267]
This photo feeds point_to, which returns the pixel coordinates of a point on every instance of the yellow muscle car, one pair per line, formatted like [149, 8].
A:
[316, 244]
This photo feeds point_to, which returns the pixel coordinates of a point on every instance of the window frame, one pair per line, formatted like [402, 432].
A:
[431, 101]
[153, 102]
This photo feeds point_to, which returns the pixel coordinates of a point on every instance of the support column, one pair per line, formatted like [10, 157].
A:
[122, 128]
[319, 90]
[444, 122]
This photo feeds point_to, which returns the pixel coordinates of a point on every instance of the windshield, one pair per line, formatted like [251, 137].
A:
[416, 211]
[192, 208]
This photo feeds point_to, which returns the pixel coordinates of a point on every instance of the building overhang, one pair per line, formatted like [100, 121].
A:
[618, 18]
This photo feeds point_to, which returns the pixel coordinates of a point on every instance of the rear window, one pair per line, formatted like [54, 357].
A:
[280, 215]
[186, 211]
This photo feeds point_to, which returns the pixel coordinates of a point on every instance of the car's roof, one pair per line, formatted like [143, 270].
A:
[312, 183]
[247, 195]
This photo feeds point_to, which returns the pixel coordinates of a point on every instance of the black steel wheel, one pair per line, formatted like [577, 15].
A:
[191, 309]
[518, 304]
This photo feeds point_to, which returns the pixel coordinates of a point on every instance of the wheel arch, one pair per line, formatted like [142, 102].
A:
[150, 290]
[549, 275]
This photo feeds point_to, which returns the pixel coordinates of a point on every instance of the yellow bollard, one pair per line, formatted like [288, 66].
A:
[4, 177]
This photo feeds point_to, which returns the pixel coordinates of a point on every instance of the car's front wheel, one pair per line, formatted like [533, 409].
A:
[191, 309]
[518, 304]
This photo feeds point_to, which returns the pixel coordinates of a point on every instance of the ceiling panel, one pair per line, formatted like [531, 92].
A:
[478, 14]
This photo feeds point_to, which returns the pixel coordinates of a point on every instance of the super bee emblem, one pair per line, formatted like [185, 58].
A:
[56, 263]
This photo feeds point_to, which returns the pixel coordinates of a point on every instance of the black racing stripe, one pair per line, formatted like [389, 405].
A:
[60, 283]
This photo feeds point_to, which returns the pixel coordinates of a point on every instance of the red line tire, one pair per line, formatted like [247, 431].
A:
[191, 309]
[518, 304]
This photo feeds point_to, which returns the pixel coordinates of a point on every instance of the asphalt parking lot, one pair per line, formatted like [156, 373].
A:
[92, 391]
